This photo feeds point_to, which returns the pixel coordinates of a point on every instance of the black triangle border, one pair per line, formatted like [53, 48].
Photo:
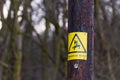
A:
[81, 44]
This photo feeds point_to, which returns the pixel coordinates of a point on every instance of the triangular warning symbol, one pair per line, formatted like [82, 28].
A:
[76, 45]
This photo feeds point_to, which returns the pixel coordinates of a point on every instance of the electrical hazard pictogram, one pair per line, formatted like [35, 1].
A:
[77, 46]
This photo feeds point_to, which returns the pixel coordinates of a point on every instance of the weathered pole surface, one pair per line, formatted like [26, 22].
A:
[80, 40]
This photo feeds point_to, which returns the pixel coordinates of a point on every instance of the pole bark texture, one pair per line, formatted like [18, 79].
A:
[80, 19]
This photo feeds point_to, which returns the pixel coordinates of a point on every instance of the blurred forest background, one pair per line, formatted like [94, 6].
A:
[33, 39]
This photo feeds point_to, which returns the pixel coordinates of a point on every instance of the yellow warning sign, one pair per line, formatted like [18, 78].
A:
[77, 46]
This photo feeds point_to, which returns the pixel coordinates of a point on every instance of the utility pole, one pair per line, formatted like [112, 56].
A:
[80, 40]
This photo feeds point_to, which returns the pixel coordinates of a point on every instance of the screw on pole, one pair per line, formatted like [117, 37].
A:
[80, 40]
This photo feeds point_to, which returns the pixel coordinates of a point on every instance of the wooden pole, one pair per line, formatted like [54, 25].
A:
[80, 40]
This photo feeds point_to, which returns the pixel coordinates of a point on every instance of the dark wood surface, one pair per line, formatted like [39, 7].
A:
[81, 14]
